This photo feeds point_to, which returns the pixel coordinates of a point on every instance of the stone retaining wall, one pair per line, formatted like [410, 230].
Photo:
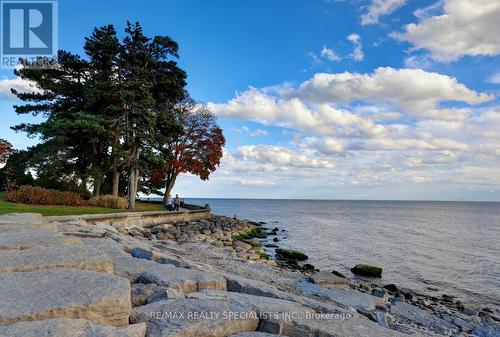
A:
[145, 219]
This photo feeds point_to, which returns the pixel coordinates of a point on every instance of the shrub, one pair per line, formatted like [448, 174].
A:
[41, 196]
[109, 201]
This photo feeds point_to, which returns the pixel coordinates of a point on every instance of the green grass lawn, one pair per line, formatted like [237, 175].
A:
[9, 207]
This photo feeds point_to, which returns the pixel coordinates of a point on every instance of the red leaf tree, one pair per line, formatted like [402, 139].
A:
[5, 150]
[198, 147]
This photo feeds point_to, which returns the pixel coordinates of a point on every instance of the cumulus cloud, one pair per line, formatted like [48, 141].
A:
[380, 8]
[18, 84]
[413, 90]
[464, 28]
[390, 126]
[357, 48]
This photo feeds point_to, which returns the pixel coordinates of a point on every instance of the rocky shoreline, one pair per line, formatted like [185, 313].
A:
[215, 277]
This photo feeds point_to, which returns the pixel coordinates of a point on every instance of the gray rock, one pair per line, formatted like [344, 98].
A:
[293, 319]
[463, 325]
[75, 257]
[60, 327]
[421, 317]
[53, 293]
[258, 288]
[343, 297]
[185, 280]
[140, 294]
[325, 278]
[141, 253]
[9, 228]
[193, 317]
[21, 218]
[255, 334]
[35, 238]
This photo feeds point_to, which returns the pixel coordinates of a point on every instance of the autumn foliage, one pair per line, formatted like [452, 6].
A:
[42, 196]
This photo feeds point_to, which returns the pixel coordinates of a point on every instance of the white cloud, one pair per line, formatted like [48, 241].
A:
[329, 54]
[278, 155]
[18, 84]
[494, 78]
[380, 8]
[415, 91]
[357, 52]
[464, 28]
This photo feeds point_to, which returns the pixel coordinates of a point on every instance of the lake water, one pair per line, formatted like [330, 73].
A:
[450, 247]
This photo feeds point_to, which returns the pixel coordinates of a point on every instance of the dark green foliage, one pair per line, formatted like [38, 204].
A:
[255, 232]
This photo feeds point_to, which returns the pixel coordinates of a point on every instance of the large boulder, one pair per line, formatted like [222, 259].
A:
[195, 317]
[290, 254]
[366, 270]
[328, 279]
[59, 327]
[9, 228]
[53, 293]
[36, 238]
[74, 257]
[165, 275]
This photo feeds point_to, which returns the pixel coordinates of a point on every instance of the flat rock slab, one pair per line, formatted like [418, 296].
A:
[255, 334]
[35, 238]
[53, 293]
[21, 218]
[61, 327]
[259, 288]
[344, 297]
[326, 279]
[74, 257]
[293, 319]
[186, 280]
[13, 228]
[421, 317]
[193, 317]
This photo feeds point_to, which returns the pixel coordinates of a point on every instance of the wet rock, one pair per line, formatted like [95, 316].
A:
[271, 245]
[337, 273]
[308, 268]
[392, 288]
[290, 254]
[194, 317]
[60, 327]
[276, 240]
[74, 257]
[329, 280]
[366, 270]
[52, 293]
[141, 253]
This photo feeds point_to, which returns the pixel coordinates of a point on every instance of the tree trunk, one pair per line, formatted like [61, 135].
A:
[131, 189]
[97, 188]
[169, 186]
[116, 182]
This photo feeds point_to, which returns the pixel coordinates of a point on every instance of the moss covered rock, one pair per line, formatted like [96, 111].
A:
[289, 254]
[366, 270]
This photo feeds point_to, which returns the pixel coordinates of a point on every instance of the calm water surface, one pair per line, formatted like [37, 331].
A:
[453, 247]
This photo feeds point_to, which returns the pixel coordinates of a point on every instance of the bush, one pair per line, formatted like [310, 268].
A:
[109, 201]
[41, 196]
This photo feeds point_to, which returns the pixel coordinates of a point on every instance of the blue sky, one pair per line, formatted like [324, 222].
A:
[362, 99]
